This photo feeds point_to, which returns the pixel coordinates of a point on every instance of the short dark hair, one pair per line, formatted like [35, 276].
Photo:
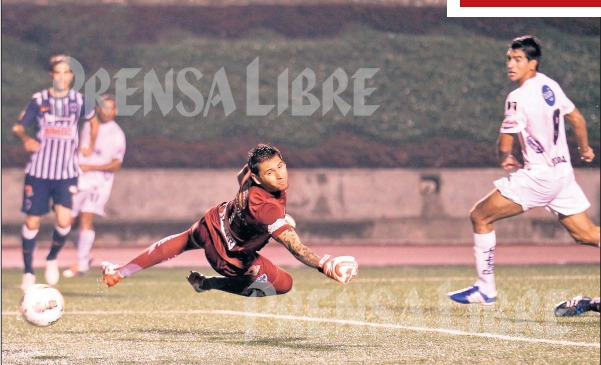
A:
[261, 153]
[110, 97]
[55, 60]
[531, 47]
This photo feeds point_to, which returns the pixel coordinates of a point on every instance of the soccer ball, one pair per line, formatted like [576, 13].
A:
[42, 305]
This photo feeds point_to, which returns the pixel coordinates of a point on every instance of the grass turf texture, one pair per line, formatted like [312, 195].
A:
[387, 315]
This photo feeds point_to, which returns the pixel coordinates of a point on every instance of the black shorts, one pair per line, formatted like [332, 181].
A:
[38, 192]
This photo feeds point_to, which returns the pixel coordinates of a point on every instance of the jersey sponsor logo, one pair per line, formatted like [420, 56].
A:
[229, 239]
[66, 133]
[535, 145]
[548, 95]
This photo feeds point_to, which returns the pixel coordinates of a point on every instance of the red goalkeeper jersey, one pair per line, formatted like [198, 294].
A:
[244, 225]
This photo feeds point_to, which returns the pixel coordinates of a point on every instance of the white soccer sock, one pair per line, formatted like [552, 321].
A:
[484, 251]
[84, 246]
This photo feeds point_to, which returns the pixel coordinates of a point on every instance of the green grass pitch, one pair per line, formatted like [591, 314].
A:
[393, 315]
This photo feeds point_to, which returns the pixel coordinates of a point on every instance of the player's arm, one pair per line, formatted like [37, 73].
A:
[341, 268]
[94, 125]
[30, 144]
[579, 127]
[111, 166]
[302, 253]
[505, 155]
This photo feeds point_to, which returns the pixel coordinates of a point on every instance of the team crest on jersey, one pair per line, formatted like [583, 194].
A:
[72, 108]
[535, 145]
[548, 95]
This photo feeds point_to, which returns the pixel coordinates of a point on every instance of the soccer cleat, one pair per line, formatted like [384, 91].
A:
[52, 274]
[573, 307]
[471, 295]
[197, 280]
[74, 270]
[27, 281]
[77, 270]
[110, 273]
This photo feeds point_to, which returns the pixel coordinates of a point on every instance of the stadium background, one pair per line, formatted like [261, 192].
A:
[440, 88]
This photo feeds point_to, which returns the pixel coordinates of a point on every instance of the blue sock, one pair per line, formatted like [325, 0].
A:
[28, 248]
[59, 237]
[28, 244]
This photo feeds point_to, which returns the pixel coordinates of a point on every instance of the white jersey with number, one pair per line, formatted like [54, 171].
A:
[535, 112]
[109, 146]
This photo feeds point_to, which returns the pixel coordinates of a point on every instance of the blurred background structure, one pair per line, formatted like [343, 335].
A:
[429, 147]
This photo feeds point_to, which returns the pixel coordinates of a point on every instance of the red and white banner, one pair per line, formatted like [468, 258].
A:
[524, 8]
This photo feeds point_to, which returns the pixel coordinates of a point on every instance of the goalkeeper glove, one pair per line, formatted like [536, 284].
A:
[341, 268]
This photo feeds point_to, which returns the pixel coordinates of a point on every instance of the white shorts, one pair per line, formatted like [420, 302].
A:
[91, 200]
[561, 195]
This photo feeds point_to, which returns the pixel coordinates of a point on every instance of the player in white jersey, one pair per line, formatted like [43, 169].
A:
[51, 173]
[534, 115]
[95, 183]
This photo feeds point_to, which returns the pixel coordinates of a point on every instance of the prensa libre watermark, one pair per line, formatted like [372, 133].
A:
[296, 97]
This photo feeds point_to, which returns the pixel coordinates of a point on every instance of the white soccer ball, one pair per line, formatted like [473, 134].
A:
[42, 305]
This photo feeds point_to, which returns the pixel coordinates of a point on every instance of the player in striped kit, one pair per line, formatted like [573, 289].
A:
[534, 115]
[95, 183]
[52, 170]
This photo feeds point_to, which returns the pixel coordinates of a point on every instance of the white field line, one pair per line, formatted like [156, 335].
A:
[345, 322]
[445, 278]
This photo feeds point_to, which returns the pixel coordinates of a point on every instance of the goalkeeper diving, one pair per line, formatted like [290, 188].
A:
[232, 233]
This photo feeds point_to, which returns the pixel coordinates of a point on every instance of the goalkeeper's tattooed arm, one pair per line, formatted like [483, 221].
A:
[302, 253]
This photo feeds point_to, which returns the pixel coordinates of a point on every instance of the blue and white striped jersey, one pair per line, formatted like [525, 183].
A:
[56, 122]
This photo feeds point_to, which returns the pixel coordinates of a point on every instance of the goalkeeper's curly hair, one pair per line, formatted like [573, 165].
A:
[261, 153]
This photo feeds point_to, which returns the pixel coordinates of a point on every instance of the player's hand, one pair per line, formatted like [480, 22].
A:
[341, 268]
[587, 155]
[86, 151]
[31, 145]
[511, 164]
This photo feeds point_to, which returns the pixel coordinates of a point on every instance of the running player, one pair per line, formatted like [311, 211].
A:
[52, 170]
[95, 183]
[534, 114]
[232, 233]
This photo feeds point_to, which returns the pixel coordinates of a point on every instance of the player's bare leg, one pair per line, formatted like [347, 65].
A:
[490, 209]
[581, 228]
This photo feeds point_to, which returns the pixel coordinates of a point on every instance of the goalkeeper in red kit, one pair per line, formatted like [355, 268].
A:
[232, 233]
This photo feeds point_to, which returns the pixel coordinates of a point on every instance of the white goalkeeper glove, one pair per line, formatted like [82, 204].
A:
[341, 268]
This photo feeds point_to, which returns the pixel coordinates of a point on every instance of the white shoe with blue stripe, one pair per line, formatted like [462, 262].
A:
[471, 295]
